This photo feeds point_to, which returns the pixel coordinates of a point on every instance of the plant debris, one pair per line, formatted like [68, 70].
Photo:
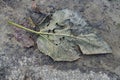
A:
[24, 38]
[67, 36]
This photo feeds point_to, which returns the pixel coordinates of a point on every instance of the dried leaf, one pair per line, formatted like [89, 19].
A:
[68, 30]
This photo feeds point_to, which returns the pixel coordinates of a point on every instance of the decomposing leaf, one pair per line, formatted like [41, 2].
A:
[66, 31]
[70, 30]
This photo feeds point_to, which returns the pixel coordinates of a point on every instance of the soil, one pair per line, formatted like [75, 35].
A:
[19, 63]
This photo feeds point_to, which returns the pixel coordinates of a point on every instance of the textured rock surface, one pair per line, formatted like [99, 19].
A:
[19, 63]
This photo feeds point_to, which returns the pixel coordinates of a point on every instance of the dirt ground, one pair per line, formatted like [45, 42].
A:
[19, 63]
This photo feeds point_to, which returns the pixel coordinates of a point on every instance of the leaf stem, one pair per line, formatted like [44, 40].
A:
[43, 33]
[22, 27]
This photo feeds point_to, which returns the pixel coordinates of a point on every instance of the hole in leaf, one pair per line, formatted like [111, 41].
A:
[49, 31]
[60, 26]
[53, 31]
[60, 39]
[63, 38]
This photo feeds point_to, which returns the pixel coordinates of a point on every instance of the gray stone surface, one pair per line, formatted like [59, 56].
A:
[19, 63]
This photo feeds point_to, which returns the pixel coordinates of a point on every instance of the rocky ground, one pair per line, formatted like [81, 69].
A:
[19, 63]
